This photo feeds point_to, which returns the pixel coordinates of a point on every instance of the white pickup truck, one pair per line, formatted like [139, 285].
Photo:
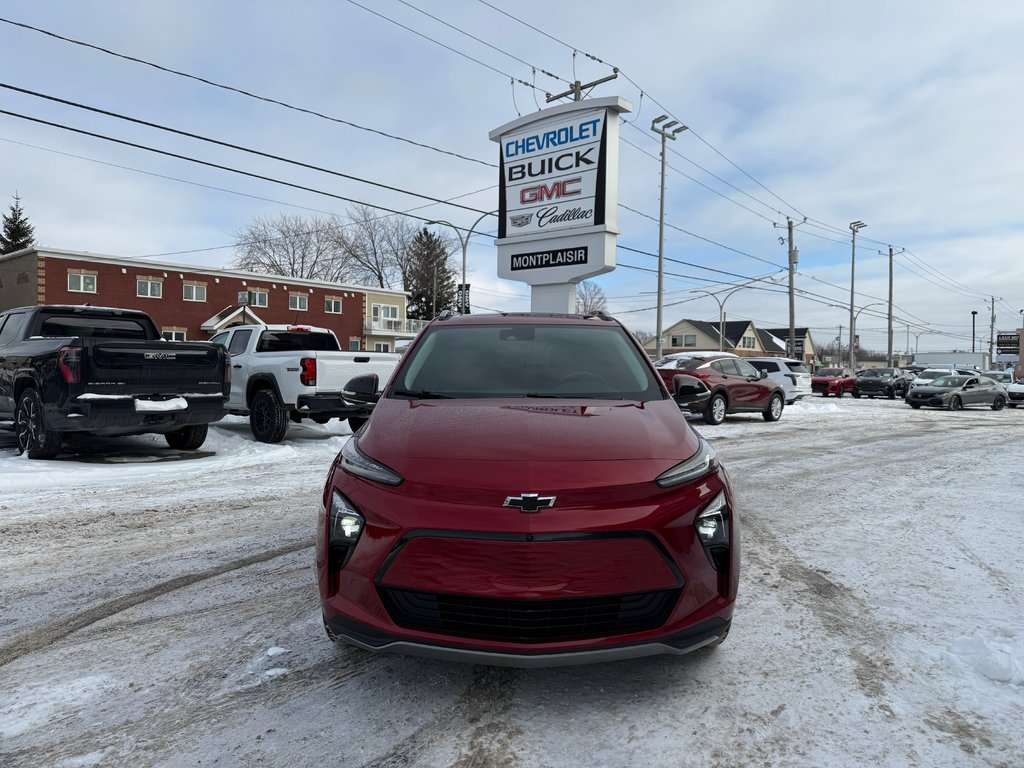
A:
[282, 373]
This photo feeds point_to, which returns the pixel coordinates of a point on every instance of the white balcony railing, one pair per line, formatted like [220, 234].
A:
[394, 326]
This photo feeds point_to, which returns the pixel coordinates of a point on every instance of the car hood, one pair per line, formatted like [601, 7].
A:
[928, 389]
[538, 437]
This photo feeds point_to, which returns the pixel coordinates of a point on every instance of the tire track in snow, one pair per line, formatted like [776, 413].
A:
[54, 631]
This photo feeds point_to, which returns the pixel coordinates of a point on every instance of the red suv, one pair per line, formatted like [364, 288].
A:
[736, 386]
[526, 492]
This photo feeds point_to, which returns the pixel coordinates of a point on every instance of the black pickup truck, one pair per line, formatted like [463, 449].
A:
[103, 371]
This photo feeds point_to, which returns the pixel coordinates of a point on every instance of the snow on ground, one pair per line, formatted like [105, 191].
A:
[160, 608]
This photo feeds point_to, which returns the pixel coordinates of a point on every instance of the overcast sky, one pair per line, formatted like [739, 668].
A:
[906, 116]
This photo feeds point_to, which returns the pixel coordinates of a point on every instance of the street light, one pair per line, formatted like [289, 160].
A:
[855, 226]
[853, 355]
[464, 241]
[721, 311]
[666, 131]
[974, 317]
[917, 337]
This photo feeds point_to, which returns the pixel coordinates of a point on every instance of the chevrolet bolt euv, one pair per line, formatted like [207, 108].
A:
[527, 492]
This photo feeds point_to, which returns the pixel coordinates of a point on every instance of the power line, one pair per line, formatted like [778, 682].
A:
[242, 92]
[228, 145]
[207, 163]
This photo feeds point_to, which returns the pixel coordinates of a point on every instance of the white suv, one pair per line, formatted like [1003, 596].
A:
[792, 375]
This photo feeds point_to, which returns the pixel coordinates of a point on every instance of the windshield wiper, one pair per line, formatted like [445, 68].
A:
[420, 394]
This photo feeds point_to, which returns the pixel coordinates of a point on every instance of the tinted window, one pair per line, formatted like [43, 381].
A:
[797, 367]
[220, 338]
[295, 341]
[239, 341]
[746, 369]
[555, 360]
[830, 372]
[93, 327]
[764, 365]
[11, 328]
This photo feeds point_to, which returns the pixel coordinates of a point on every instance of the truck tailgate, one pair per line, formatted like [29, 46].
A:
[335, 369]
[152, 367]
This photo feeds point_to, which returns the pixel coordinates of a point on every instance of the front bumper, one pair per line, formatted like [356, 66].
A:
[678, 644]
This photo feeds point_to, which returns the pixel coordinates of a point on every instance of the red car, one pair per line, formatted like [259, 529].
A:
[833, 381]
[736, 386]
[526, 492]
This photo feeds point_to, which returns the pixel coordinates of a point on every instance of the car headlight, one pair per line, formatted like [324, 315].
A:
[358, 463]
[346, 525]
[703, 462]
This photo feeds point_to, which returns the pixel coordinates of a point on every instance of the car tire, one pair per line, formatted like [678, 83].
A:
[30, 429]
[915, 406]
[839, 392]
[268, 419]
[715, 411]
[355, 422]
[774, 410]
[955, 403]
[856, 395]
[187, 438]
[998, 403]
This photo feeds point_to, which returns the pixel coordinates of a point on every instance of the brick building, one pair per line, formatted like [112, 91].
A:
[193, 303]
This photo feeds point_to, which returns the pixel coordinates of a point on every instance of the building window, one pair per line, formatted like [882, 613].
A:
[173, 334]
[81, 283]
[353, 345]
[747, 342]
[193, 292]
[385, 316]
[145, 286]
[258, 298]
[381, 346]
[298, 302]
[690, 340]
[332, 305]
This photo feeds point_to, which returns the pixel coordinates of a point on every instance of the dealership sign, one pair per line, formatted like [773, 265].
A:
[558, 195]
[1008, 343]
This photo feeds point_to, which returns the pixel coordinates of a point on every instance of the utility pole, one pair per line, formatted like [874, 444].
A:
[791, 346]
[665, 133]
[992, 332]
[892, 363]
[854, 227]
[576, 91]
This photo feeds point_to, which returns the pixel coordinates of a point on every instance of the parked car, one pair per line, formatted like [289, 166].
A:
[527, 493]
[930, 374]
[1003, 377]
[285, 373]
[790, 374]
[68, 369]
[954, 391]
[1015, 394]
[881, 382]
[736, 386]
[833, 381]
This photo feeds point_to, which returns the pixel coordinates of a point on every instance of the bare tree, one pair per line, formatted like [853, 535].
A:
[643, 336]
[377, 245]
[589, 298]
[293, 246]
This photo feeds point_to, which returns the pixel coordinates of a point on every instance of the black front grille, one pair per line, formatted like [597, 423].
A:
[529, 621]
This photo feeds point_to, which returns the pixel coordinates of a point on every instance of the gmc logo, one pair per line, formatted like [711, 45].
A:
[542, 192]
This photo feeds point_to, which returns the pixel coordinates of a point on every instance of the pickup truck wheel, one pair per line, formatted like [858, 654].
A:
[187, 438]
[268, 420]
[355, 422]
[33, 436]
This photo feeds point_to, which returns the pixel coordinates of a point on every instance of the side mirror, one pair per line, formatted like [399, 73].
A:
[764, 375]
[362, 389]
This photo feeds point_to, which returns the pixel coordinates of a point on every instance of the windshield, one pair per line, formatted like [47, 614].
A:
[556, 360]
[928, 375]
[830, 372]
[949, 381]
[877, 373]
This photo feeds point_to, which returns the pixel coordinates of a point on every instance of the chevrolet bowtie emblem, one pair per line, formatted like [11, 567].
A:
[530, 502]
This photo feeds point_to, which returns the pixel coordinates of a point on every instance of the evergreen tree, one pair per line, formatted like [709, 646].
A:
[431, 279]
[17, 232]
